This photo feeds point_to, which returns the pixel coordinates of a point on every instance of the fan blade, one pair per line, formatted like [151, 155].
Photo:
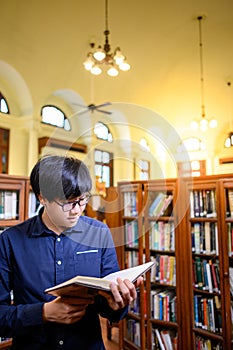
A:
[78, 104]
[102, 111]
[82, 111]
[103, 104]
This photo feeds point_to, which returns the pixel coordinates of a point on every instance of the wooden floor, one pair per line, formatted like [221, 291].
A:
[113, 343]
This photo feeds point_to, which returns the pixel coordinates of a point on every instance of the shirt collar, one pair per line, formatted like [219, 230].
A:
[40, 229]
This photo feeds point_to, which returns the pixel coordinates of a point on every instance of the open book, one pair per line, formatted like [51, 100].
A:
[72, 286]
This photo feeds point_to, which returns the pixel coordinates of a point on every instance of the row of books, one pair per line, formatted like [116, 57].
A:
[134, 306]
[164, 270]
[203, 203]
[133, 331]
[131, 233]
[204, 238]
[206, 275]
[164, 339]
[207, 313]
[9, 206]
[160, 205]
[231, 280]
[130, 204]
[207, 344]
[229, 202]
[33, 205]
[131, 258]
[163, 305]
[230, 238]
[162, 236]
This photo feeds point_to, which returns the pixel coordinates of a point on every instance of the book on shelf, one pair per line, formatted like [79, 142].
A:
[8, 205]
[160, 204]
[73, 285]
[158, 336]
[202, 203]
[166, 339]
[229, 198]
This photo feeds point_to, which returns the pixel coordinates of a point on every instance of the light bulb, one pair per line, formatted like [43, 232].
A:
[124, 66]
[88, 64]
[112, 71]
[99, 54]
[96, 70]
[213, 123]
[203, 124]
[118, 57]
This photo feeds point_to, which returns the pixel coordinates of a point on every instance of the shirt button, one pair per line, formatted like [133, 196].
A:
[61, 342]
[59, 239]
[59, 262]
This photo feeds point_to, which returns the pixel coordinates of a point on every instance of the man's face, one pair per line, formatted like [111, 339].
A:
[59, 216]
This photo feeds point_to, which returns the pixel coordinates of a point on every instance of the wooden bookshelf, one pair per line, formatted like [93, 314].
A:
[12, 197]
[133, 328]
[162, 246]
[17, 210]
[202, 224]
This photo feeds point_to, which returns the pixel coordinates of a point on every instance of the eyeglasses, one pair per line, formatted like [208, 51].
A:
[71, 205]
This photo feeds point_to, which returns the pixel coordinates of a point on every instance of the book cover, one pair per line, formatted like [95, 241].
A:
[161, 344]
[166, 339]
[73, 285]
[160, 204]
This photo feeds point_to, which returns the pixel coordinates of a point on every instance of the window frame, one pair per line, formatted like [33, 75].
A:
[65, 119]
[2, 98]
[103, 164]
[109, 137]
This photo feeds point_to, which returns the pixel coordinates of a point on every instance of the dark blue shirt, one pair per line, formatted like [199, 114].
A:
[33, 258]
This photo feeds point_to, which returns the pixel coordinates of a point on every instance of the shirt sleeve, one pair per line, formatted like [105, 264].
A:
[14, 320]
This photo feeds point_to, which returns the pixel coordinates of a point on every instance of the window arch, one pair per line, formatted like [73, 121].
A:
[102, 132]
[229, 140]
[145, 144]
[193, 167]
[191, 144]
[4, 108]
[55, 116]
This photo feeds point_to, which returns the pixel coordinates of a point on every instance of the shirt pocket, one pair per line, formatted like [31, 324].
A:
[88, 263]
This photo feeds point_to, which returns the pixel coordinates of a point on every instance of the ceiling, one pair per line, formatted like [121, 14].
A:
[47, 42]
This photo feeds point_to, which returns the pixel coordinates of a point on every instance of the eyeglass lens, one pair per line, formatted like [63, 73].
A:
[80, 202]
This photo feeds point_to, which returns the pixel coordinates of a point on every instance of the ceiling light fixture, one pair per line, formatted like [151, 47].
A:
[203, 124]
[101, 56]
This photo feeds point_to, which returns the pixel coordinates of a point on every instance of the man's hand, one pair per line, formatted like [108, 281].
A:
[122, 294]
[66, 310]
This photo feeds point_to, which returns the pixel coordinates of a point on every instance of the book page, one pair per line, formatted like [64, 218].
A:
[132, 273]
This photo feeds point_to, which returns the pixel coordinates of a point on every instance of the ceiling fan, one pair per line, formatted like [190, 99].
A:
[92, 107]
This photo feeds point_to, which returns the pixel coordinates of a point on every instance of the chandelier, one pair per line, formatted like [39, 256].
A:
[203, 124]
[100, 57]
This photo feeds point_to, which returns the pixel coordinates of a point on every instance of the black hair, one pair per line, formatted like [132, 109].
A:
[61, 177]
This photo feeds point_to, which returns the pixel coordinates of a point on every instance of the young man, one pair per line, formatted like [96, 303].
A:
[50, 248]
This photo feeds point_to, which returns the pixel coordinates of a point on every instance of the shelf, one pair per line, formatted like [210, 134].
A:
[6, 344]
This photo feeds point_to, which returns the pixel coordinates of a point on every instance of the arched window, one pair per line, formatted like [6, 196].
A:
[3, 105]
[193, 167]
[102, 132]
[144, 166]
[144, 144]
[229, 140]
[104, 167]
[54, 116]
[191, 144]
